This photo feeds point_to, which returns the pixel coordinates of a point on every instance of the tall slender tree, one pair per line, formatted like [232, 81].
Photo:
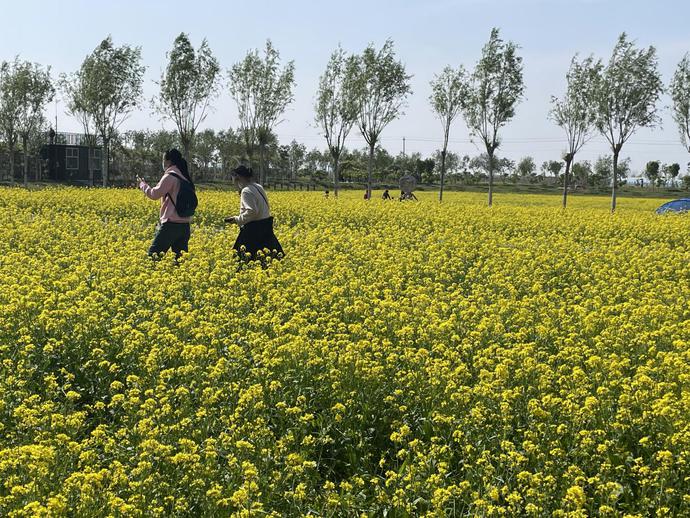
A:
[262, 92]
[380, 87]
[680, 94]
[74, 92]
[448, 96]
[35, 90]
[495, 88]
[187, 87]
[105, 90]
[626, 96]
[336, 108]
[10, 103]
[576, 113]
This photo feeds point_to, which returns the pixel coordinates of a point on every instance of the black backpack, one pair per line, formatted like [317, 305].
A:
[186, 198]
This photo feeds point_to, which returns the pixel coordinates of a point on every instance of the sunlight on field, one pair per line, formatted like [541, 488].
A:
[404, 358]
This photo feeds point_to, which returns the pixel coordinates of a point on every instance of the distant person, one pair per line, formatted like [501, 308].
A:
[255, 220]
[386, 195]
[172, 230]
[325, 194]
[366, 194]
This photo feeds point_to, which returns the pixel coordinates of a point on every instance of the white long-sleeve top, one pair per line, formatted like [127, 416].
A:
[253, 204]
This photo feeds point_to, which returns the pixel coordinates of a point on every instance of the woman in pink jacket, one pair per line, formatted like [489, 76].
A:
[172, 230]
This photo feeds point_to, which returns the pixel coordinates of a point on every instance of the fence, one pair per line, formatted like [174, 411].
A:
[37, 169]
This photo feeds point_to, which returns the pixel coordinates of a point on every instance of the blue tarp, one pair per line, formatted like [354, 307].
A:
[681, 205]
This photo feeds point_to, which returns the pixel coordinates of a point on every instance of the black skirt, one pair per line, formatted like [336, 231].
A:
[258, 236]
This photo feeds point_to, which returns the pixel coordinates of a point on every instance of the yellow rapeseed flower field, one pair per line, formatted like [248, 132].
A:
[404, 359]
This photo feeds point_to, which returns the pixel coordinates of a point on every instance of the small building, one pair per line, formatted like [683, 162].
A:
[69, 158]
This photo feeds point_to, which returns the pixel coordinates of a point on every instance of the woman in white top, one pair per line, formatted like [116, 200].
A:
[255, 220]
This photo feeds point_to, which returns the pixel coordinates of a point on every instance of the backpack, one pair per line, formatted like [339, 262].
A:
[186, 198]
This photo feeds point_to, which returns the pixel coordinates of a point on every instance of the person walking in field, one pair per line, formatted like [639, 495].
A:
[176, 192]
[255, 220]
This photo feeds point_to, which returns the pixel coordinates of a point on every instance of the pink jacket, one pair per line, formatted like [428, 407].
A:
[168, 184]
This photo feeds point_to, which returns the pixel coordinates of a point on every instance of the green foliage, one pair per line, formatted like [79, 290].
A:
[626, 96]
[495, 88]
[293, 158]
[627, 92]
[448, 96]
[485, 163]
[336, 106]
[25, 89]
[33, 89]
[576, 112]
[262, 92]
[231, 149]
[551, 166]
[187, 87]
[205, 154]
[526, 166]
[671, 172]
[680, 94]
[651, 171]
[603, 172]
[9, 105]
[454, 162]
[581, 173]
[380, 86]
[105, 90]
[139, 152]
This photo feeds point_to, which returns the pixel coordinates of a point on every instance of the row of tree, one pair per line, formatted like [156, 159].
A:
[614, 100]
[215, 154]
[366, 90]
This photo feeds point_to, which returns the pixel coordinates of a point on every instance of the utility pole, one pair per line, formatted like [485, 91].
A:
[403, 146]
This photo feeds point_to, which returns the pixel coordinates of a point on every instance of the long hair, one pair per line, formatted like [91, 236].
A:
[175, 157]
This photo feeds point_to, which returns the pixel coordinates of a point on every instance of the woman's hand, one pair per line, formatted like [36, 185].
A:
[231, 219]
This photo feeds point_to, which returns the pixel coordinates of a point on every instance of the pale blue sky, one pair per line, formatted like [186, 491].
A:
[428, 35]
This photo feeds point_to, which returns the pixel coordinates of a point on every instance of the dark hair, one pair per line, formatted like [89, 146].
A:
[244, 171]
[175, 157]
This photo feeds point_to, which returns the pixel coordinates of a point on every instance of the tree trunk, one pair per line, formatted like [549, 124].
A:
[568, 161]
[26, 161]
[491, 176]
[336, 160]
[104, 162]
[443, 173]
[262, 164]
[370, 168]
[12, 163]
[615, 175]
[186, 148]
[90, 165]
[250, 158]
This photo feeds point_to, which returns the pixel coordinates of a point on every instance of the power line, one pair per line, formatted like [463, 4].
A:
[524, 140]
